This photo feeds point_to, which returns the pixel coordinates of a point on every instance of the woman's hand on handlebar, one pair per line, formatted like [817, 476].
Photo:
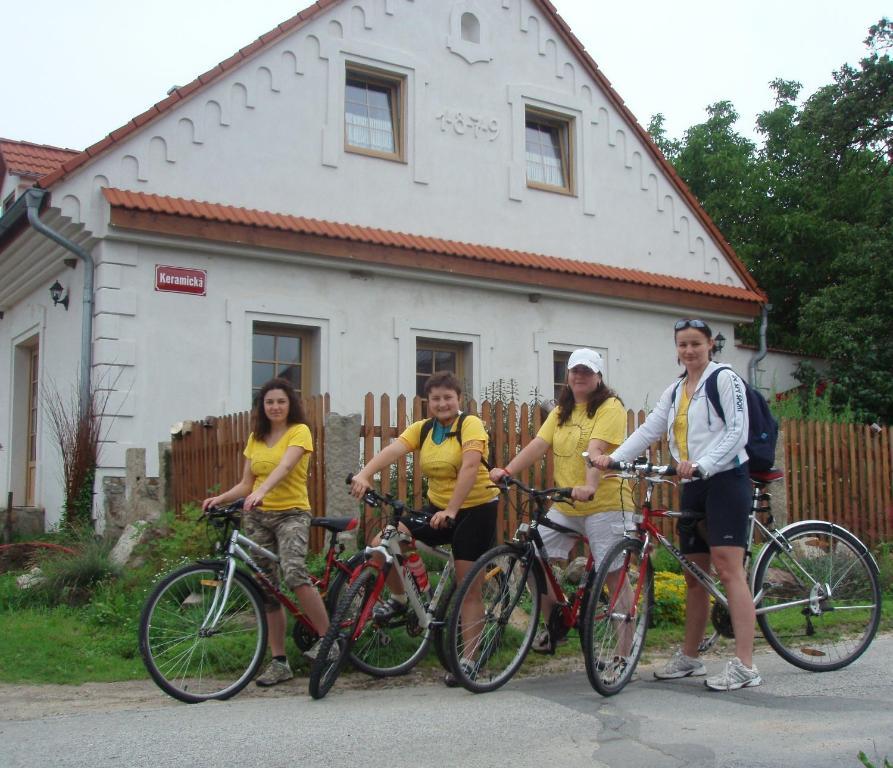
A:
[211, 501]
[359, 484]
[583, 493]
[603, 461]
[687, 470]
[443, 519]
[497, 473]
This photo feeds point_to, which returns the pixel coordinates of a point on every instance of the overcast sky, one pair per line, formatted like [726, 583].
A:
[75, 70]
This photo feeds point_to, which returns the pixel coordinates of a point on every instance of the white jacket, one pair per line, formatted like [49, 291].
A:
[713, 444]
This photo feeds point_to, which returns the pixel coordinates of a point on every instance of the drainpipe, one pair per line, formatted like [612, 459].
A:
[33, 198]
[763, 349]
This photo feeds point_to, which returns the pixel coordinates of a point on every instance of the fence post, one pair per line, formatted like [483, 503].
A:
[342, 458]
[779, 490]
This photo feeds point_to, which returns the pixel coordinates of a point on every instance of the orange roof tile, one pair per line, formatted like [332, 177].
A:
[23, 158]
[228, 214]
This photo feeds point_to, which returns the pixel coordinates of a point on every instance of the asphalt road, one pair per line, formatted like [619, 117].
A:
[794, 719]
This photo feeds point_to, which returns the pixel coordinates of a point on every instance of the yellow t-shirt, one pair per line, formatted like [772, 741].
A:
[569, 440]
[680, 423]
[291, 491]
[441, 463]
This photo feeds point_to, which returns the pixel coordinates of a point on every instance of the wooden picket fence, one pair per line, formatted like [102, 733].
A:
[840, 473]
[835, 472]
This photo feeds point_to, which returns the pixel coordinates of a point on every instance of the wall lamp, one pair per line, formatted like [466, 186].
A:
[56, 291]
[719, 341]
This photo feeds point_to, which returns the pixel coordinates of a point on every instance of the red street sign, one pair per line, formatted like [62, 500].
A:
[180, 279]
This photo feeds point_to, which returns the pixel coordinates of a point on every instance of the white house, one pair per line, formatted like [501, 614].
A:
[374, 189]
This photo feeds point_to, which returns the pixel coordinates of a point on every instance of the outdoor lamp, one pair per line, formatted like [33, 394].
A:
[57, 297]
[719, 341]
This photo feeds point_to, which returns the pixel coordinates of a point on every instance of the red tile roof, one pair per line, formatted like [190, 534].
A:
[23, 158]
[228, 214]
[308, 14]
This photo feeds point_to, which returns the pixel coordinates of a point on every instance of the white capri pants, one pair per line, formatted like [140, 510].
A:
[602, 529]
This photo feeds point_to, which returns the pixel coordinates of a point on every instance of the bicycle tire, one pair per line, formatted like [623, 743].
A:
[323, 670]
[485, 656]
[829, 631]
[340, 580]
[186, 664]
[388, 649]
[440, 634]
[615, 619]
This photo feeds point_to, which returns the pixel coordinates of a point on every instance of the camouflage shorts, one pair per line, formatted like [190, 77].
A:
[286, 533]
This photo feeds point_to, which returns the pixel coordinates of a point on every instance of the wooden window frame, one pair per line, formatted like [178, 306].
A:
[559, 355]
[566, 146]
[306, 335]
[460, 348]
[396, 83]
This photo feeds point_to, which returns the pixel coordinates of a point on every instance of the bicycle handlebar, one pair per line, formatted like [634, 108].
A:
[554, 494]
[643, 468]
[375, 499]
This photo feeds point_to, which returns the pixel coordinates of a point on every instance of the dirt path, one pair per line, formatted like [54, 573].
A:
[33, 702]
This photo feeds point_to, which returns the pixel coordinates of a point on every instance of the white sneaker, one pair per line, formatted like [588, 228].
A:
[681, 666]
[542, 643]
[734, 676]
[334, 650]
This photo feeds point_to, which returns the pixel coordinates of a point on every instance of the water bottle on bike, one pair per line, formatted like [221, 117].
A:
[416, 567]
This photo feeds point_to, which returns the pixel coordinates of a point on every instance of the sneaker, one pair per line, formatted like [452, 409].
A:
[451, 681]
[681, 666]
[334, 651]
[382, 614]
[542, 643]
[733, 677]
[276, 672]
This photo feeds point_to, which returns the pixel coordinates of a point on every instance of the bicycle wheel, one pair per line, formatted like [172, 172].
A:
[188, 654]
[494, 618]
[327, 665]
[821, 597]
[616, 616]
[340, 580]
[440, 635]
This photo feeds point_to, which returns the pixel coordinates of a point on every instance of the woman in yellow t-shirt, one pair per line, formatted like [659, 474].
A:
[589, 417]
[460, 495]
[276, 512]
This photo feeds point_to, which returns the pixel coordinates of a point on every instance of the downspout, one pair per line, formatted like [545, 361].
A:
[33, 199]
[762, 351]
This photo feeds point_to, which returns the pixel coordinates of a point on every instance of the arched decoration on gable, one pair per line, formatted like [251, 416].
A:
[470, 32]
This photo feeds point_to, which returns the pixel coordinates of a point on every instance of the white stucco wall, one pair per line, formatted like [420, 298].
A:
[269, 135]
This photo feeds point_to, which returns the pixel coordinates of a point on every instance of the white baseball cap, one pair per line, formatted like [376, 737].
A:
[588, 357]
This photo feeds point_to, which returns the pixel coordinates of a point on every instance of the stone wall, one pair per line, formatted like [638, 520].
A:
[135, 496]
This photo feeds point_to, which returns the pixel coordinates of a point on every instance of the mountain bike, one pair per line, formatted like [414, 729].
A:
[504, 588]
[815, 587]
[392, 646]
[203, 628]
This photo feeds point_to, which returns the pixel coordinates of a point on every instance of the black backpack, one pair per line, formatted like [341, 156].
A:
[488, 462]
[762, 433]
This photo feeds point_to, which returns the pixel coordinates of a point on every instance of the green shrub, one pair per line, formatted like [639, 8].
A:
[69, 579]
[669, 598]
[661, 560]
[884, 557]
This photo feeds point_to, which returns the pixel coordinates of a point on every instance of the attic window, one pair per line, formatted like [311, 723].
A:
[7, 203]
[471, 28]
[373, 113]
[549, 151]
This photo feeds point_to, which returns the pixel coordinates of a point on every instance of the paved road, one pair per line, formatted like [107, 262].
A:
[795, 719]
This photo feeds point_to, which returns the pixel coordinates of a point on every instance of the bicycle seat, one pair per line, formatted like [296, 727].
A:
[768, 476]
[335, 524]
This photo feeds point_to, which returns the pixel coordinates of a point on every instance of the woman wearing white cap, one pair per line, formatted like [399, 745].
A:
[589, 417]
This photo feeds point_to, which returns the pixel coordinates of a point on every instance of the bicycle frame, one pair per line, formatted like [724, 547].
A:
[389, 550]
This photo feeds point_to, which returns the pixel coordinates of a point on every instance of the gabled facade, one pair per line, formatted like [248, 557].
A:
[370, 191]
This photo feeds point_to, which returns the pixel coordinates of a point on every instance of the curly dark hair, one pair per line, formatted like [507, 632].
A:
[598, 396]
[261, 426]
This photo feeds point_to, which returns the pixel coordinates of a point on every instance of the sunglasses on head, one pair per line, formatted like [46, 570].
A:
[681, 324]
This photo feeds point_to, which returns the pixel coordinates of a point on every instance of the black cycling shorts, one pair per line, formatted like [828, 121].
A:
[473, 533]
[725, 501]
